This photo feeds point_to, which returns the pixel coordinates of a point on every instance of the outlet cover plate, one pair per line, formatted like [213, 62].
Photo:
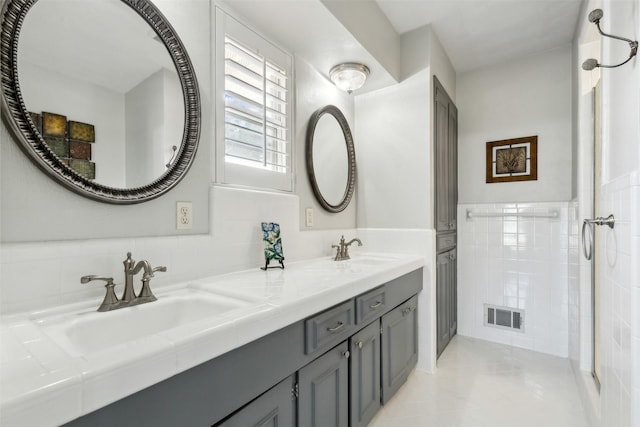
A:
[184, 215]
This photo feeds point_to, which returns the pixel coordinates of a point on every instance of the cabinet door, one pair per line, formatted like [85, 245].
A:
[446, 298]
[399, 346]
[452, 166]
[442, 161]
[365, 375]
[275, 408]
[445, 158]
[324, 386]
[453, 293]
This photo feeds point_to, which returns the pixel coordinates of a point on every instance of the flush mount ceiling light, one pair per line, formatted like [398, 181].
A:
[591, 63]
[349, 76]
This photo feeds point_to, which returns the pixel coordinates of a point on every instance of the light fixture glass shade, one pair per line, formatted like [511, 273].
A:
[349, 76]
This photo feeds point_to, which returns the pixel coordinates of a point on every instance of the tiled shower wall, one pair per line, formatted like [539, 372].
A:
[519, 262]
[620, 303]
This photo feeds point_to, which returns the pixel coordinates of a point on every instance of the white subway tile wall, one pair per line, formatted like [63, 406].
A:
[620, 296]
[515, 259]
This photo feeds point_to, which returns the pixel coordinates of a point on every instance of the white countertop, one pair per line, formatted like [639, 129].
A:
[41, 384]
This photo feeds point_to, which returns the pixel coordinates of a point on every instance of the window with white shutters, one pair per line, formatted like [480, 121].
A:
[256, 116]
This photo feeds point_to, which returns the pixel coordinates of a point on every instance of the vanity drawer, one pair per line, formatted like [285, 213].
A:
[328, 328]
[445, 242]
[371, 305]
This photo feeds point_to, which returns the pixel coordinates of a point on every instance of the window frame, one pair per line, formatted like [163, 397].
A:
[234, 174]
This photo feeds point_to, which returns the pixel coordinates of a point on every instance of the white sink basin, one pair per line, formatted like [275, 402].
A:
[370, 259]
[87, 332]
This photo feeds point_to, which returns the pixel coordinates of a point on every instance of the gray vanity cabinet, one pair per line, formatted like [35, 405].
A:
[447, 298]
[274, 408]
[399, 346]
[324, 371]
[323, 385]
[365, 375]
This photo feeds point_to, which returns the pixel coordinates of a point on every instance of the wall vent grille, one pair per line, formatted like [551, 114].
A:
[504, 317]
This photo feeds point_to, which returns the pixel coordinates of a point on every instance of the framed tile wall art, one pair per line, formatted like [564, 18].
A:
[512, 160]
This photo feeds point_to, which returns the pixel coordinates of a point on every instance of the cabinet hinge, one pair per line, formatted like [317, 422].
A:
[295, 391]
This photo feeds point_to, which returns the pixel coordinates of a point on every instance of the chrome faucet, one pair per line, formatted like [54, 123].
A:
[129, 297]
[342, 252]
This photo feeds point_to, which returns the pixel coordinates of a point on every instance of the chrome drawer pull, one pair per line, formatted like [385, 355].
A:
[336, 328]
[376, 305]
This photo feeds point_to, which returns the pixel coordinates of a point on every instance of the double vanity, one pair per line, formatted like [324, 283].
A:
[320, 340]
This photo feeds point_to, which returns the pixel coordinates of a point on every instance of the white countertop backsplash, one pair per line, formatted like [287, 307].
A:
[41, 384]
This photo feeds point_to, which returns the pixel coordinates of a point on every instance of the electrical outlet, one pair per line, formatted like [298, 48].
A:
[184, 215]
[308, 217]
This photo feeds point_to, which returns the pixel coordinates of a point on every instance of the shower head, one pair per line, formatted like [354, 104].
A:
[590, 64]
[595, 15]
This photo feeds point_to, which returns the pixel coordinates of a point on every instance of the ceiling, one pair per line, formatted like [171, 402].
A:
[76, 39]
[474, 33]
[479, 33]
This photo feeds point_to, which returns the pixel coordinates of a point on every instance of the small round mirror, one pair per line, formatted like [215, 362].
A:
[331, 159]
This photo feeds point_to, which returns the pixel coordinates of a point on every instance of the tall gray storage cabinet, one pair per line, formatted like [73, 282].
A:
[446, 205]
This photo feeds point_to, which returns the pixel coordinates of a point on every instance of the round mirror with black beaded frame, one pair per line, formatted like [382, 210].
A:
[351, 158]
[21, 125]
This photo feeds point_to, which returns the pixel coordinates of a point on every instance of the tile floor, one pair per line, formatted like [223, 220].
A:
[483, 384]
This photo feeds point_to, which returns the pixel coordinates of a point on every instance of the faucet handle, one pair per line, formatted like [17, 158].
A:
[338, 252]
[145, 293]
[110, 300]
[91, 277]
[149, 274]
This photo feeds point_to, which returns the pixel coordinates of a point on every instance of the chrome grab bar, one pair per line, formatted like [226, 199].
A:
[587, 225]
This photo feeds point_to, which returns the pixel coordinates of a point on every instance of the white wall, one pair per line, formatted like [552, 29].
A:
[314, 91]
[516, 99]
[620, 87]
[144, 117]
[394, 142]
[394, 146]
[154, 112]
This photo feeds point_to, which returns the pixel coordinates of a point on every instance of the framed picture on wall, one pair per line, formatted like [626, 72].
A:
[512, 160]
